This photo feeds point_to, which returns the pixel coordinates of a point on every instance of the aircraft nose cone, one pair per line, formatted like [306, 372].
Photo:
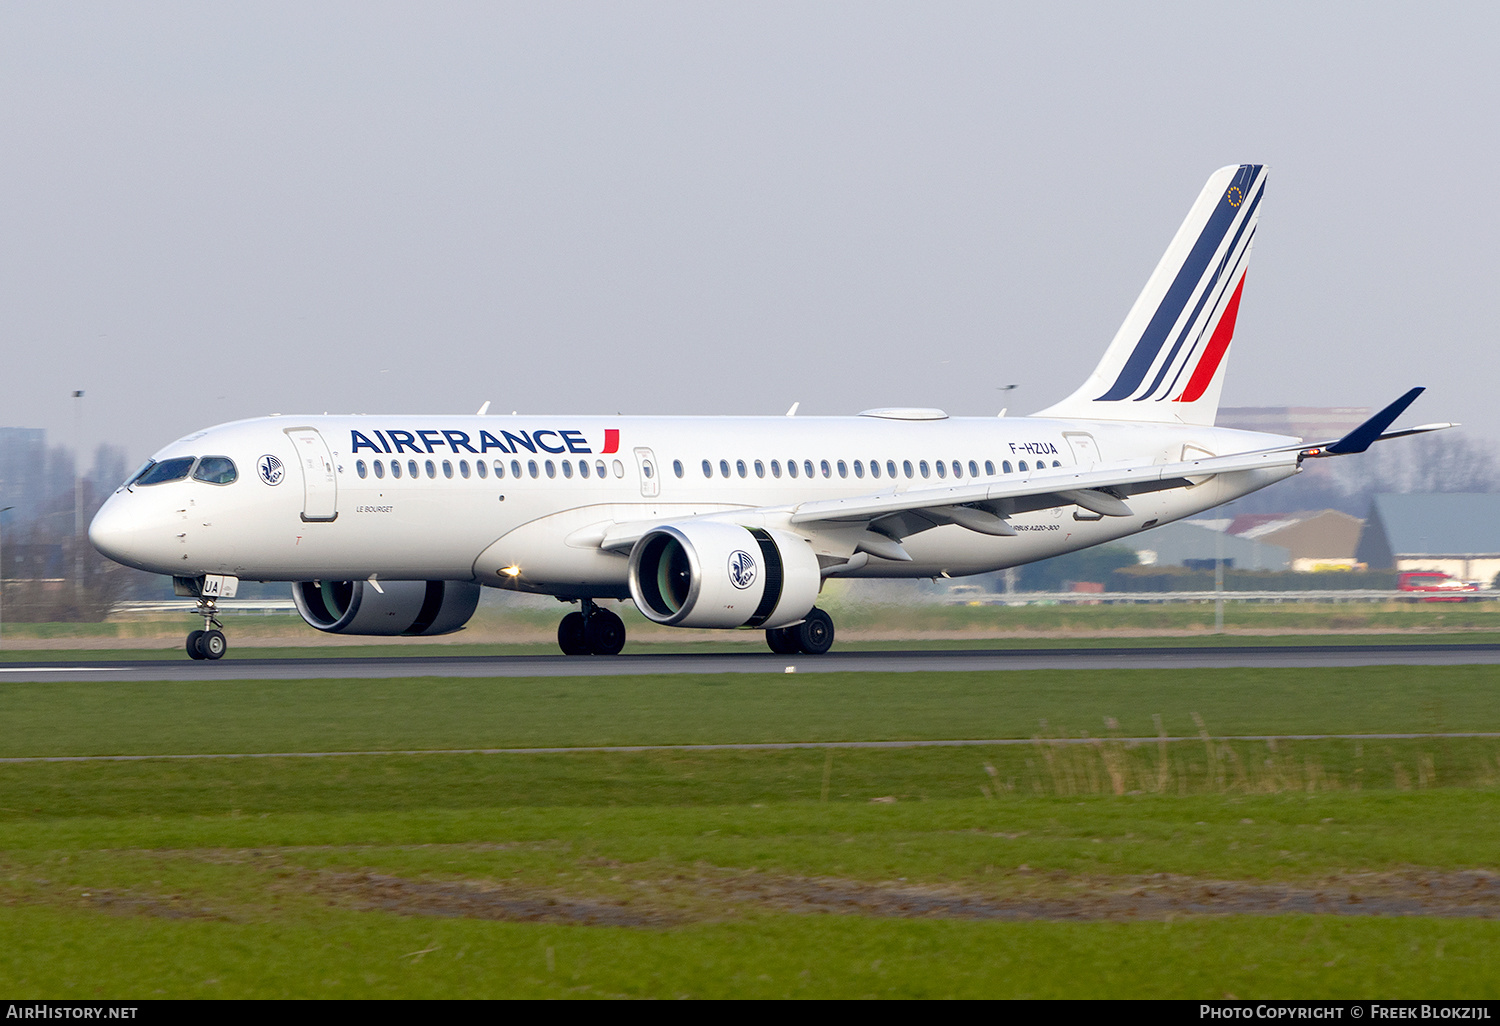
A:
[119, 532]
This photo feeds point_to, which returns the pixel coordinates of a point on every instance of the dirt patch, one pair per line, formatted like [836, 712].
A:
[714, 897]
[473, 900]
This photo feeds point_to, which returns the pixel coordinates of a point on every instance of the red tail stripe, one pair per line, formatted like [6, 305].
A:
[1213, 355]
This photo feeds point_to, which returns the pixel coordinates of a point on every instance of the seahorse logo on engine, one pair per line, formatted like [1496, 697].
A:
[741, 569]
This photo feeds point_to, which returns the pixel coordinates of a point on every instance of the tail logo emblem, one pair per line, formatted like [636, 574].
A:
[1235, 196]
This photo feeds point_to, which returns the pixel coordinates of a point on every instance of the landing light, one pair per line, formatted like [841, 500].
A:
[511, 571]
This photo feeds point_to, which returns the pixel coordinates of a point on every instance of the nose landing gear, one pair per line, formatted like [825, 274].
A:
[209, 643]
[591, 631]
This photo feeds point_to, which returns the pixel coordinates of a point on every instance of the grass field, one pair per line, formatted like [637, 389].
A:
[1190, 868]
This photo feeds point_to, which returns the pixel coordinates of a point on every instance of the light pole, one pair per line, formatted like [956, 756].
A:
[3, 510]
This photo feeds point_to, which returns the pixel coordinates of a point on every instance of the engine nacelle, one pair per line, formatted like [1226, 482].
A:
[723, 575]
[399, 607]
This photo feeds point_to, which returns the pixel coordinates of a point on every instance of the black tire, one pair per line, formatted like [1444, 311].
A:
[213, 645]
[783, 640]
[570, 636]
[815, 634]
[195, 645]
[605, 633]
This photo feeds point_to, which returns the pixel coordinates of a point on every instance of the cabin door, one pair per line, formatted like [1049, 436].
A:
[645, 461]
[319, 480]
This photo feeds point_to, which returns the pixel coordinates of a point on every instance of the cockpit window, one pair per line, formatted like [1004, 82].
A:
[217, 470]
[140, 472]
[174, 469]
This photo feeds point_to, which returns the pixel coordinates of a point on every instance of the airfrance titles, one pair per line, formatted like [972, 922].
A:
[396, 440]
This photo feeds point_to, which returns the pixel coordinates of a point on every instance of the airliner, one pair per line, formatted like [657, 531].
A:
[392, 525]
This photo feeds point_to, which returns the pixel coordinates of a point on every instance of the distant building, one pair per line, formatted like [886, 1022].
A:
[1190, 543]
[1457, 533]
[1316, 539]
[23, 469]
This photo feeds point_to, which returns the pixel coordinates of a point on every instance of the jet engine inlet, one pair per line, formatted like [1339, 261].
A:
[723, 575]
[400, 607]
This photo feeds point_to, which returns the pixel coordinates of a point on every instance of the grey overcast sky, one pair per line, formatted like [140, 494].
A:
[216, 211]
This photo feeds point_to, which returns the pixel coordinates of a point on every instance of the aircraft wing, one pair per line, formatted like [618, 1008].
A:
[983, 505]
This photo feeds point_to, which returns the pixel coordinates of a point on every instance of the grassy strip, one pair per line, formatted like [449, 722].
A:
[244, 904]
[78, 718]
[353, 955]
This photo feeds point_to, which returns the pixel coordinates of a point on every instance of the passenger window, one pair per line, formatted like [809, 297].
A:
[567, 469]
[739, 467]
[167, 470]
[859, 468]
[618, 468]
[463, 469]
[890, 468]
[826, 471]
[708, 469]
[583, 468]
[791, 468]
[220, 470]
[1056, 464]
[942, 469]
[448, 469]
[807, 468]
[396, 469]
[974, 469]
[515, 469]
[1022, 466]
[843, 469]
[776, 468]
[359, 468]
[431, 469]
[531, 467]
[958, 469]
[599, 469]
[874, 468]
[906, 466]
[551, 469]
[760, 469]
[922, 466]
[724, 468]
[379, 469]
[481, 468]
[676, 467]
[411, 469]
[1005, 464]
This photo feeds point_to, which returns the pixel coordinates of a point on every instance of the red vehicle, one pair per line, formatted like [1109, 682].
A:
[1434, 586]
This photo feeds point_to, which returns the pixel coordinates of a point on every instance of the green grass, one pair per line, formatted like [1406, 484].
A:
[389, 875]
[73, 718]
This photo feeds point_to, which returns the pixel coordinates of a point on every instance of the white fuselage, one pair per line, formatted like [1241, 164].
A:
[308, 502]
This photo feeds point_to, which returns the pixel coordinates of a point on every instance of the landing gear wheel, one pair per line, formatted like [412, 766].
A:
[213, 645]
[783, 640]
[571, 637]
[195, 645]
[815, 634]
[605, 633]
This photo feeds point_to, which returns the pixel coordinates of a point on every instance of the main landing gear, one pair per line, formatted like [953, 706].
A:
[592, 631]
[813, 636]
[209, 643]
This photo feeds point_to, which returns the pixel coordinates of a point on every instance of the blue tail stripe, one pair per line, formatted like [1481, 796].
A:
[1207, 293]
[1228, 280]
[1172, 304]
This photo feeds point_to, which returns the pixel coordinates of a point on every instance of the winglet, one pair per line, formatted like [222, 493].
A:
[1361, 437]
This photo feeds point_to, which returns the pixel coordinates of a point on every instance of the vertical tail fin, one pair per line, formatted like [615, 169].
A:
[1166, 363]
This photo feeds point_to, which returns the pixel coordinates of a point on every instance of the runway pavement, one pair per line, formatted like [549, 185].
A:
[913, 661]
